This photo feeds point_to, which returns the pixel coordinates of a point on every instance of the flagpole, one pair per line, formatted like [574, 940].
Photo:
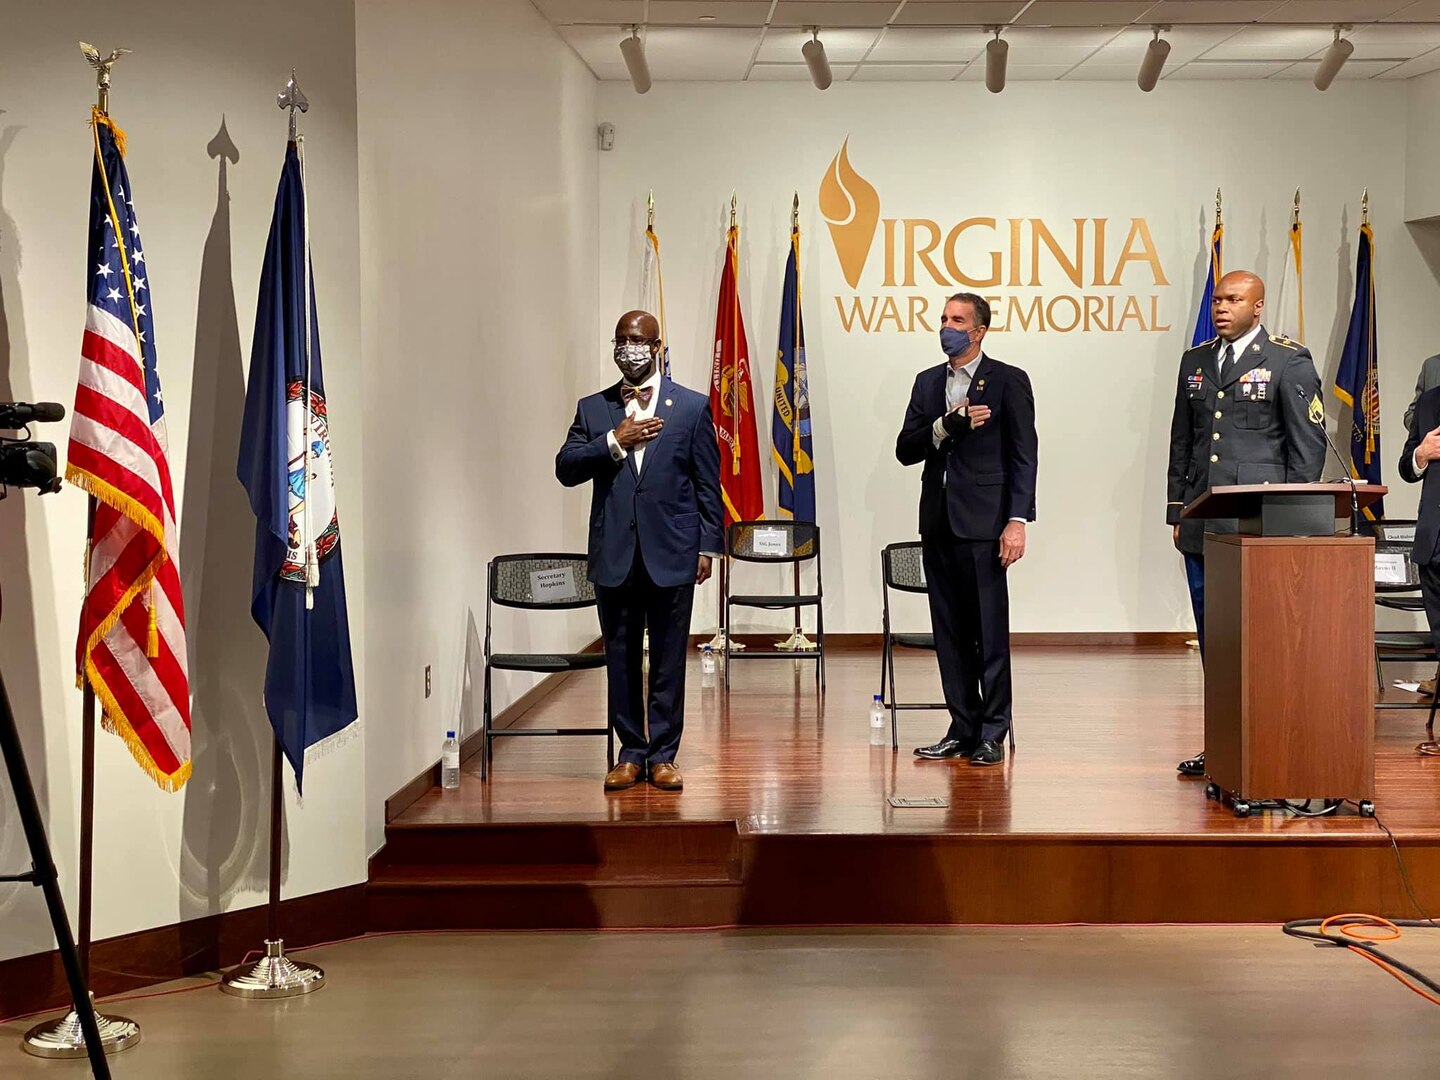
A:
[70, 1036]
[275, 975]
[723, 642]
[797, 641]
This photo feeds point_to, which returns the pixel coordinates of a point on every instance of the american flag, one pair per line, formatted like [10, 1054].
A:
[132, 623]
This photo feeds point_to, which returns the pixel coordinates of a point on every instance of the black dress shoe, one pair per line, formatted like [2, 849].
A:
[1194, 766]
[987, 753]
[945, 748]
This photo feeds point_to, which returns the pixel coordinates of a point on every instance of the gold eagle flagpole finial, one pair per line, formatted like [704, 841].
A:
[102, 72]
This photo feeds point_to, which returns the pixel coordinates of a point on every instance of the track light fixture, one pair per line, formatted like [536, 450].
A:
[816, 60]
[1156, 53]
[633, 50]
[997, 52]
[1334, 59]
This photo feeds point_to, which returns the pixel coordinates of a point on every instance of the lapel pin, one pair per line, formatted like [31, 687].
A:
[668, 402]
[981, 384]
[1255, 347]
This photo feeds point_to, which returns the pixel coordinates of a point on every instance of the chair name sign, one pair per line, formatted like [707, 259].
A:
[552, 586]
[765, 541]
[1391, 568]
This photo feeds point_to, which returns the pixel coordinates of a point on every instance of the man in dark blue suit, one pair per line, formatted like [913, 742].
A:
[971, 421]
[649, 447]
[1422, 450]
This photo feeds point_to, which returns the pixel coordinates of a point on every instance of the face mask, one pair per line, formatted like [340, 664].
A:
[635, 361]
[955, 342]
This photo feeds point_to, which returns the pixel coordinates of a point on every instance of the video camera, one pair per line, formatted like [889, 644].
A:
[23, 462]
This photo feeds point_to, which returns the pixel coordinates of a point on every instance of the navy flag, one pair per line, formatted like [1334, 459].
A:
[1357, 383]
[298, 597]
[790, 424]
[1204, 318]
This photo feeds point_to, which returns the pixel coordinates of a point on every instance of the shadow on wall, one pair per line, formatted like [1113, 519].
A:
[224, 844]
[18, 652]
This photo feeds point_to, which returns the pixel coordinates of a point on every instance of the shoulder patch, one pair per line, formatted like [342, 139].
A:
[1285, 342]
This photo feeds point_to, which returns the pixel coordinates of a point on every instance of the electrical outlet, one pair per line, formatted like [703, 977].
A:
[427, 681]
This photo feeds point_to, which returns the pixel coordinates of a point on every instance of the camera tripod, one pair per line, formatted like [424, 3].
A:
[42, 873]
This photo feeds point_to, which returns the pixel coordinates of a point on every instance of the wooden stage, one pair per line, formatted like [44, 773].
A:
[785, 818]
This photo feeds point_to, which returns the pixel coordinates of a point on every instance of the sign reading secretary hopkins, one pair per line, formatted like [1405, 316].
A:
[1087, 275]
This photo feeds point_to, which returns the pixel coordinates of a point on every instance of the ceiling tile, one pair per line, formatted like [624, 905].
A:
[1211, 11]
[1355, 70]
[687, 53]
[1033, 46]
[1421, 11]
[1186, 43]
[725, 12]
[1273, 43]
[1083, 12]
[964, 13]
[595, 44]
[919, 45]
[795, 72]
[615, 12]
[783, 46]
[906, 72]
[1202, 69]
[1421, 65]
[1093, 72]
[1335, 11]
[826, 13]
[1017, 72]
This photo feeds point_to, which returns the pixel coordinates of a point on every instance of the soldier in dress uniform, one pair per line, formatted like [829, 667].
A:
[1247, 411]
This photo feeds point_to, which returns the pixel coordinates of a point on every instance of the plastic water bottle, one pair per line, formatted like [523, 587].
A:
[877, 722]
[707, 661]
[450, 762]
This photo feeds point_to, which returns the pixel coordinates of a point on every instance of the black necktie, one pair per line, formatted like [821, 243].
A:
[1227, 361]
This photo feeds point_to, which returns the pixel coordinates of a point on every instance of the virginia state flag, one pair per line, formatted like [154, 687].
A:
[298, 596]
[790, 423]
[1204, 319]
[1357, 383]
[732, 402]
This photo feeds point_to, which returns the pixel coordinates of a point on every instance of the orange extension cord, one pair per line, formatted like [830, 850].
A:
[1367, 930]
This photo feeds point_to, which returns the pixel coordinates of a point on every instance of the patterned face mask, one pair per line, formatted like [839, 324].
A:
[635, 360]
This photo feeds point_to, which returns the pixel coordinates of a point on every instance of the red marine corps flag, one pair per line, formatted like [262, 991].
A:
[732, 405]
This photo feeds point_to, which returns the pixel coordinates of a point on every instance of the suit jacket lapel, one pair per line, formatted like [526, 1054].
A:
[984, 376]
[617, 415]
[665, 394]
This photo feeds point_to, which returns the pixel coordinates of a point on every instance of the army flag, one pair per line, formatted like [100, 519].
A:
[790, 424]
[298, 583]
[1357, 383]
[1290, 297]
[131, 647]
[1204, 318]
[732, 404]
[652, 290]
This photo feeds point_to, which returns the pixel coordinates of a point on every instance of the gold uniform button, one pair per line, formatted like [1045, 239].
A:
[1216, 436]
[1217, 416]
[1221, 395]
[1214, 457]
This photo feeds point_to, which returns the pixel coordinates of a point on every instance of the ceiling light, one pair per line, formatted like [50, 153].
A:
[1333, 60]
[1156, 53]
[816, 60]
[996, 54]
[633, 50]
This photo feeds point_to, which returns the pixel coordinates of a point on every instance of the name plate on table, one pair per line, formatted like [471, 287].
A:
[553, 586]
[770, 541]
[1391, 568]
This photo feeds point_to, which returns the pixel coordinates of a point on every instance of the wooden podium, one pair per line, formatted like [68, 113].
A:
[1289, 644]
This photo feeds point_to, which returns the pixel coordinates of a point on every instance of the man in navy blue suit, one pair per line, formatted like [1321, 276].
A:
[649, 447]
[971, 421]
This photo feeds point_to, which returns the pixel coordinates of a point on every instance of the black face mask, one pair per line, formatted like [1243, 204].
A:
[635, 360]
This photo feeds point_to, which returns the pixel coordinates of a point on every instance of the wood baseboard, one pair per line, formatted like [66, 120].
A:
[193, 947]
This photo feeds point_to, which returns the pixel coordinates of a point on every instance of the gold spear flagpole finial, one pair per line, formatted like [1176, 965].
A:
[1217, 206]
[650, 210]
[1295, 210]
[1365, 207]
[102, 72]
[732, 208]
[795, 212]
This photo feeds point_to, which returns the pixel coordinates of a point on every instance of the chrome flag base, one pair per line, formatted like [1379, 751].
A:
[63, 1038]
[719, 643]
[796, 642]
[273, 976]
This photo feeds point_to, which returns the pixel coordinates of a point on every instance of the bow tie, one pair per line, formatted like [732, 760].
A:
[642, 394]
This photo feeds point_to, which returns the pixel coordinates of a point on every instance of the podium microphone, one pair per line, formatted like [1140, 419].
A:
[1354, 502]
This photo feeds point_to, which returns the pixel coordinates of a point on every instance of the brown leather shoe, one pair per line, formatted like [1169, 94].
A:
[622, 776]
[666, 777]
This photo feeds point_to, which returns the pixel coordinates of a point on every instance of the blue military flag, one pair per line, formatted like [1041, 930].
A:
[298, 596]
[790, 424]
[1357, 383]
[1204, 317]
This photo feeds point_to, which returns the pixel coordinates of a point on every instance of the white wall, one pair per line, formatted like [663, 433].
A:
[1422, 164]
[160, 857]
[478, 282]
[1100, 556]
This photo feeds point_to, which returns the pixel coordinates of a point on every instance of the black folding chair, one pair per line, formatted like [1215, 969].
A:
[1394, 538]
[902, 568]
[778, 543]
[537, 582]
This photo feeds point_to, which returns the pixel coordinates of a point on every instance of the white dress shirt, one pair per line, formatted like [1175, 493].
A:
[636, 411]
[1240, 345]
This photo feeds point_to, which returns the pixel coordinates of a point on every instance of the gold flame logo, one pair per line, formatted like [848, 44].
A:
[851, 207]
